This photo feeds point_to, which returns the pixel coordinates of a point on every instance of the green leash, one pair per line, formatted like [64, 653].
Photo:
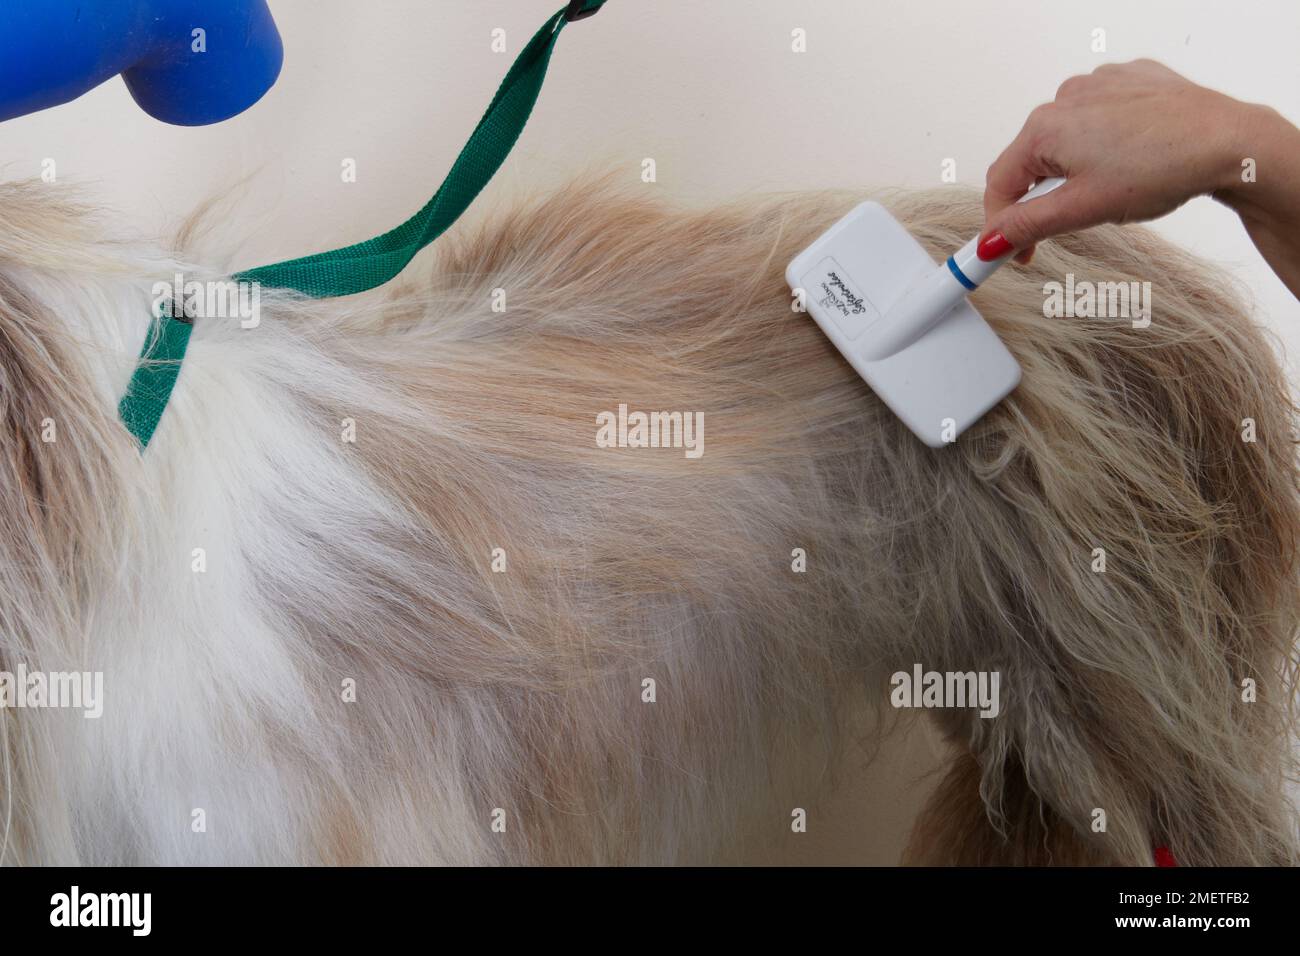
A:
[371, 263]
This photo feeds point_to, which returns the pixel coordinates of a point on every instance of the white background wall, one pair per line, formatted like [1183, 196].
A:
[712, 91]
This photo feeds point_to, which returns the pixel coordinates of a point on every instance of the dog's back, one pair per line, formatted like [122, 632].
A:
[397, 582]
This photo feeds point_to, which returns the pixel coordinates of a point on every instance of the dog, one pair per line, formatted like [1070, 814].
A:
[391, 583]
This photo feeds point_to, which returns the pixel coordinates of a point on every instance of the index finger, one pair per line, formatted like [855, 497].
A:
[1019, 166]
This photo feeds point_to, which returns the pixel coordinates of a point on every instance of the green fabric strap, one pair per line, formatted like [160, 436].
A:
[155, 375]
[373, 262]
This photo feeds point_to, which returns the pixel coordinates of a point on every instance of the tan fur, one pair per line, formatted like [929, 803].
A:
[521, 690]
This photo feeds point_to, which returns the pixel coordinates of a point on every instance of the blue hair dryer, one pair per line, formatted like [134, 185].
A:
[188, 62]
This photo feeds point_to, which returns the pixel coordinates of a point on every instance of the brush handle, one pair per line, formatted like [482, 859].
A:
[932, 297]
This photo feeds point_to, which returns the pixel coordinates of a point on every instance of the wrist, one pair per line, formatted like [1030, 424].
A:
[1259, 165]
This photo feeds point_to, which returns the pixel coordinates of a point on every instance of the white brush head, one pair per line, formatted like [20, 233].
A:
[939, 377]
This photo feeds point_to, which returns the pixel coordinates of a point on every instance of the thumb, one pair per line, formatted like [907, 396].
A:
[1023, 224]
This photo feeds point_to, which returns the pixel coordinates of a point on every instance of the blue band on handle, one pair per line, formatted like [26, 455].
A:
[961, 276]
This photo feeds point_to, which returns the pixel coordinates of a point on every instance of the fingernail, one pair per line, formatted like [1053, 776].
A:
[1164, 857]
[993, 247]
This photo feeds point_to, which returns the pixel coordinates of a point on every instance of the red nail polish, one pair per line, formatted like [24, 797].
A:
[993, 247]
[1164, 857]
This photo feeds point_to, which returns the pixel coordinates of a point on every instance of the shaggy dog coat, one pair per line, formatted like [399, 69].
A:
[374, 594]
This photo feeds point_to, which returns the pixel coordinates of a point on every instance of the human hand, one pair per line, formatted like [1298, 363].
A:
[1134, 140]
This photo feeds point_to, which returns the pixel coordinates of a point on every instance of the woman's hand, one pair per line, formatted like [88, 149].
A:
[1137, 141]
